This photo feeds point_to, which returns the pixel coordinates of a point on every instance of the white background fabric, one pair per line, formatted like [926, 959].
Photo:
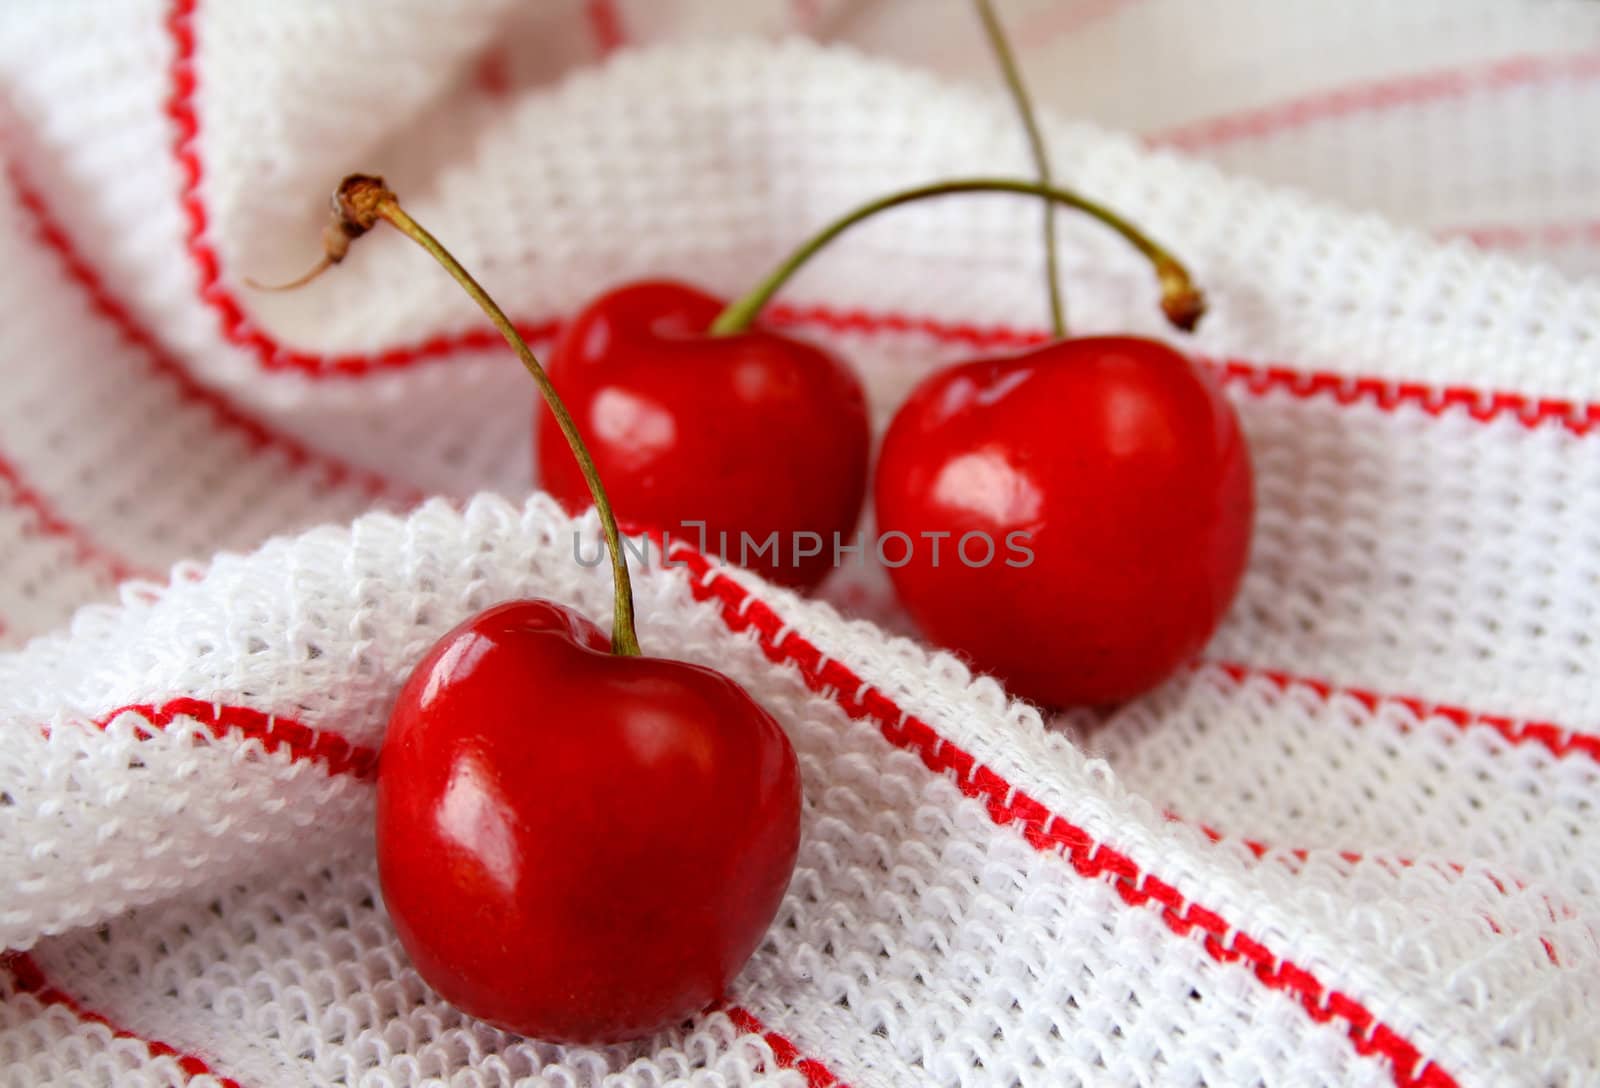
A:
[1353, 844]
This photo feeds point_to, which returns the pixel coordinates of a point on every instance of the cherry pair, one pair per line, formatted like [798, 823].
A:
[1115, 461]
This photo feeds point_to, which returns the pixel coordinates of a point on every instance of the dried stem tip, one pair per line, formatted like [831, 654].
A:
[357, 203]
[1181, 300]
[357, 207]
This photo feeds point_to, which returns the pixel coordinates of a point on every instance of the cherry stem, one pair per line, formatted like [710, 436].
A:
[359, 202]
[1181, 300]
[1041, 159]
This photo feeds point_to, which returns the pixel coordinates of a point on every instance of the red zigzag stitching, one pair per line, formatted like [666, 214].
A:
[1559, 740]
[30, 979]
[1007, 806]
[273, 357]
[1044, 830]
[102, 302]
[784, 1052]
[50, 523]
[275, 733]
[1384, 94]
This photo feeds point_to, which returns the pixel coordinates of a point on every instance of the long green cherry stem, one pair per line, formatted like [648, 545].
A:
[1041, 159]
[1181, 300]
[359, 202]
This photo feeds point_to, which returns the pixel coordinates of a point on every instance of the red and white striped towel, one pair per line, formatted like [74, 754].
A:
[1354, 844]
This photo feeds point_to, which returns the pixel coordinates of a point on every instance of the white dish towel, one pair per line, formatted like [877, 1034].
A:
[1356, 844]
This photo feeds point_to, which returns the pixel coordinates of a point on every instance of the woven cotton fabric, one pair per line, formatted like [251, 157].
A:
[1353, 844]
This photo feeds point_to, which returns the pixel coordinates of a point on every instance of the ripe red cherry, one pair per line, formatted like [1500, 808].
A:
[1126, 467]
[574, 845]
[750, 433]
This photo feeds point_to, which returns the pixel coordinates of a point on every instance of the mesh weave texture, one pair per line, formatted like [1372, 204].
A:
[1354, 844]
